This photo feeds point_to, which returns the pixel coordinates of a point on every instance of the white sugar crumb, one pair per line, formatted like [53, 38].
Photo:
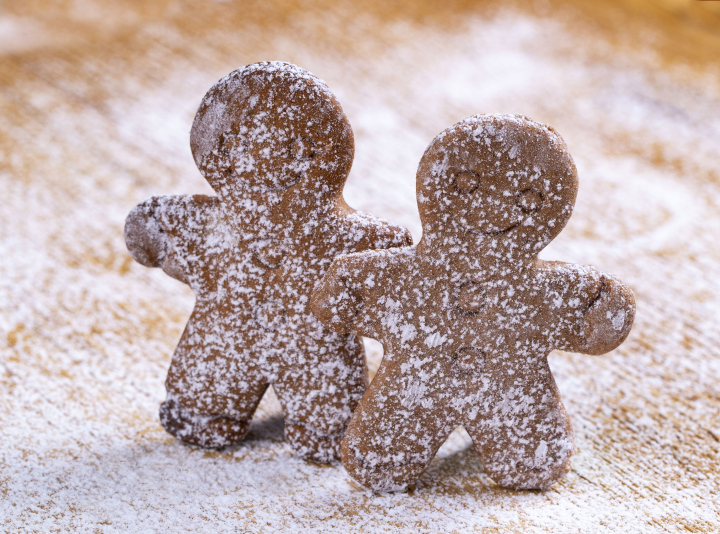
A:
[435, 340]
[618, 320]
[408, 332]
[85, 334]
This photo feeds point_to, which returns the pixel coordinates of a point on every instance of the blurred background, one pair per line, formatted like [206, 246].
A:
[96, 103]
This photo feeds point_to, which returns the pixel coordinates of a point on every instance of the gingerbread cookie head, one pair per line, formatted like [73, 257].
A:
[268, 128]
[491, 180]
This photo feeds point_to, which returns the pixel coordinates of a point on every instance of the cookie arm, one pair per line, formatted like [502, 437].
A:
[337, 300]
[367, 232]
[383, 235]
[591, 312]
[145, 235]
[609, 318]
[153, 230]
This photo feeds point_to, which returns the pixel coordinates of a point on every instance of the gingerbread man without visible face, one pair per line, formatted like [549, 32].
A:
[469, 315]
[275, 145]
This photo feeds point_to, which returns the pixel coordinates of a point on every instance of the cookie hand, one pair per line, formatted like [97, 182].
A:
[335, 302]
[384, 236]
[145, 236]
[608, 319]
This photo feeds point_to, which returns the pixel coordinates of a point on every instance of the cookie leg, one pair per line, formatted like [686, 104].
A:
[392, 437]
[319, 395]
[524, 439]
[212, 392]
[206, 431]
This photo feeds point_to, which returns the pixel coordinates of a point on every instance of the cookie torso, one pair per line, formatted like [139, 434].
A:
[451, 328]
[258, 285]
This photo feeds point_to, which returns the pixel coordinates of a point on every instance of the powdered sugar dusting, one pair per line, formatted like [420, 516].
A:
[494, 312]
[274, 144]
[86, 334]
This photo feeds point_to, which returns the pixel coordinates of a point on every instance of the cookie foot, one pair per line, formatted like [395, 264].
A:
[206, 431]
[524, 477]
[382, 476]
[313, 445]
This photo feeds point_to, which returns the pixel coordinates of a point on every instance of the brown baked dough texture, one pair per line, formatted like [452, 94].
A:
[468, 316]
[275, 145]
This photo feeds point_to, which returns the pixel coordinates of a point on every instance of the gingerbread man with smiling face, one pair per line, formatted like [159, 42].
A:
[469, 315]
[275, 145]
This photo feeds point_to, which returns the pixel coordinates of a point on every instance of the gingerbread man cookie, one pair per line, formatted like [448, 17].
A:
[275, 145]
[469, 315]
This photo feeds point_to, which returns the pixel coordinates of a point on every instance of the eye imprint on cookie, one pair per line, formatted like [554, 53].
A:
[470, 298]
[271, 315]
[232, 144]
[465, 181]
[468, 361]
[303, 149]
[270, 254]
[529, 200]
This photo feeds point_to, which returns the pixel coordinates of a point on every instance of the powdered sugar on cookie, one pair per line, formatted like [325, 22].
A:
[493, 191]
[274, 143]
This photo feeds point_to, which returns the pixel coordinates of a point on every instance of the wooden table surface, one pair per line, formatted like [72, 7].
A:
[96, 102]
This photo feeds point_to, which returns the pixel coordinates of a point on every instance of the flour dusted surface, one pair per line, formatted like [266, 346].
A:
[91, 127]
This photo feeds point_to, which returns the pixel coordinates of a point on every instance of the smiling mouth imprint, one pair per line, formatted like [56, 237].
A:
[504, 231]
[495, 232]
[289, 180]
